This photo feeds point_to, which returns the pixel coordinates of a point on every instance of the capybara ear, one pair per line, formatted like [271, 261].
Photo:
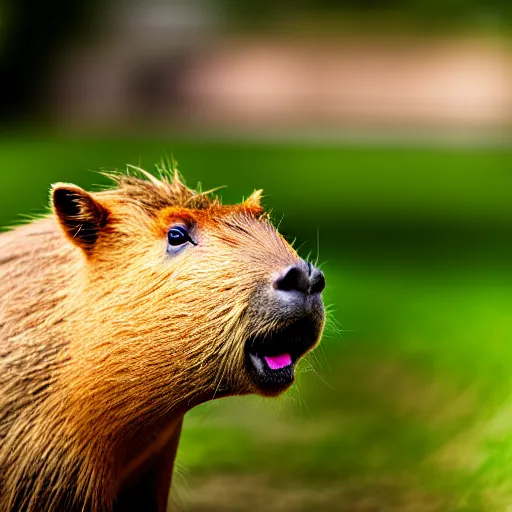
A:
[79, 214]
[253, 202]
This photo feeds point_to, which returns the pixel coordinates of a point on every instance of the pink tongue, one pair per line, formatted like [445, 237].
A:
[278, 362]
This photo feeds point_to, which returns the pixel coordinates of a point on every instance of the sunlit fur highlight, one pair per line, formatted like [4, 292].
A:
[103, 347]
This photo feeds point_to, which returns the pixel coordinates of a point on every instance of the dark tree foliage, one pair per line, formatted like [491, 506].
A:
[418, 12]
[33, 34]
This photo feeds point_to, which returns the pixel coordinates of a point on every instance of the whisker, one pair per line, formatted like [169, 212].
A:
[312, 368]
[317, 246]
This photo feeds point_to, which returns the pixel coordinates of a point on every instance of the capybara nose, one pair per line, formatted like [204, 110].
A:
[306, 279]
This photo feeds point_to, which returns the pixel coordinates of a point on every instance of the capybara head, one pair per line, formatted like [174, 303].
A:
[187, 291]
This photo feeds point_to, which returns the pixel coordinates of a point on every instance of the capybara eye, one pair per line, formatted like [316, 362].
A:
[179, 235]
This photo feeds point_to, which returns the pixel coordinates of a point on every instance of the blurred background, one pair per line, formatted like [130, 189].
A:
[380, 131]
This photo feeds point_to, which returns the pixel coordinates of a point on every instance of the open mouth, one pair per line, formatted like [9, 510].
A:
[271, 359]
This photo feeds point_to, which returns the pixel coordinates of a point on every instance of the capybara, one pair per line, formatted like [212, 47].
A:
[119, 312]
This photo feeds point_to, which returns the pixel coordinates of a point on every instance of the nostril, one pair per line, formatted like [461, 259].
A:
[317, 281]
[296, 279]
[306, 279]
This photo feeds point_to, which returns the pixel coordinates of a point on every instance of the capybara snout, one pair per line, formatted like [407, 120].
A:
[297, 291]
[292, 313]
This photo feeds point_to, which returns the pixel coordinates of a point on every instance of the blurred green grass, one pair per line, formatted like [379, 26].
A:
[410, 389]
[322, 180]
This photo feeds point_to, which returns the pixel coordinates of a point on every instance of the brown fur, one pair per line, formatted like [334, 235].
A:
[105, 341]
